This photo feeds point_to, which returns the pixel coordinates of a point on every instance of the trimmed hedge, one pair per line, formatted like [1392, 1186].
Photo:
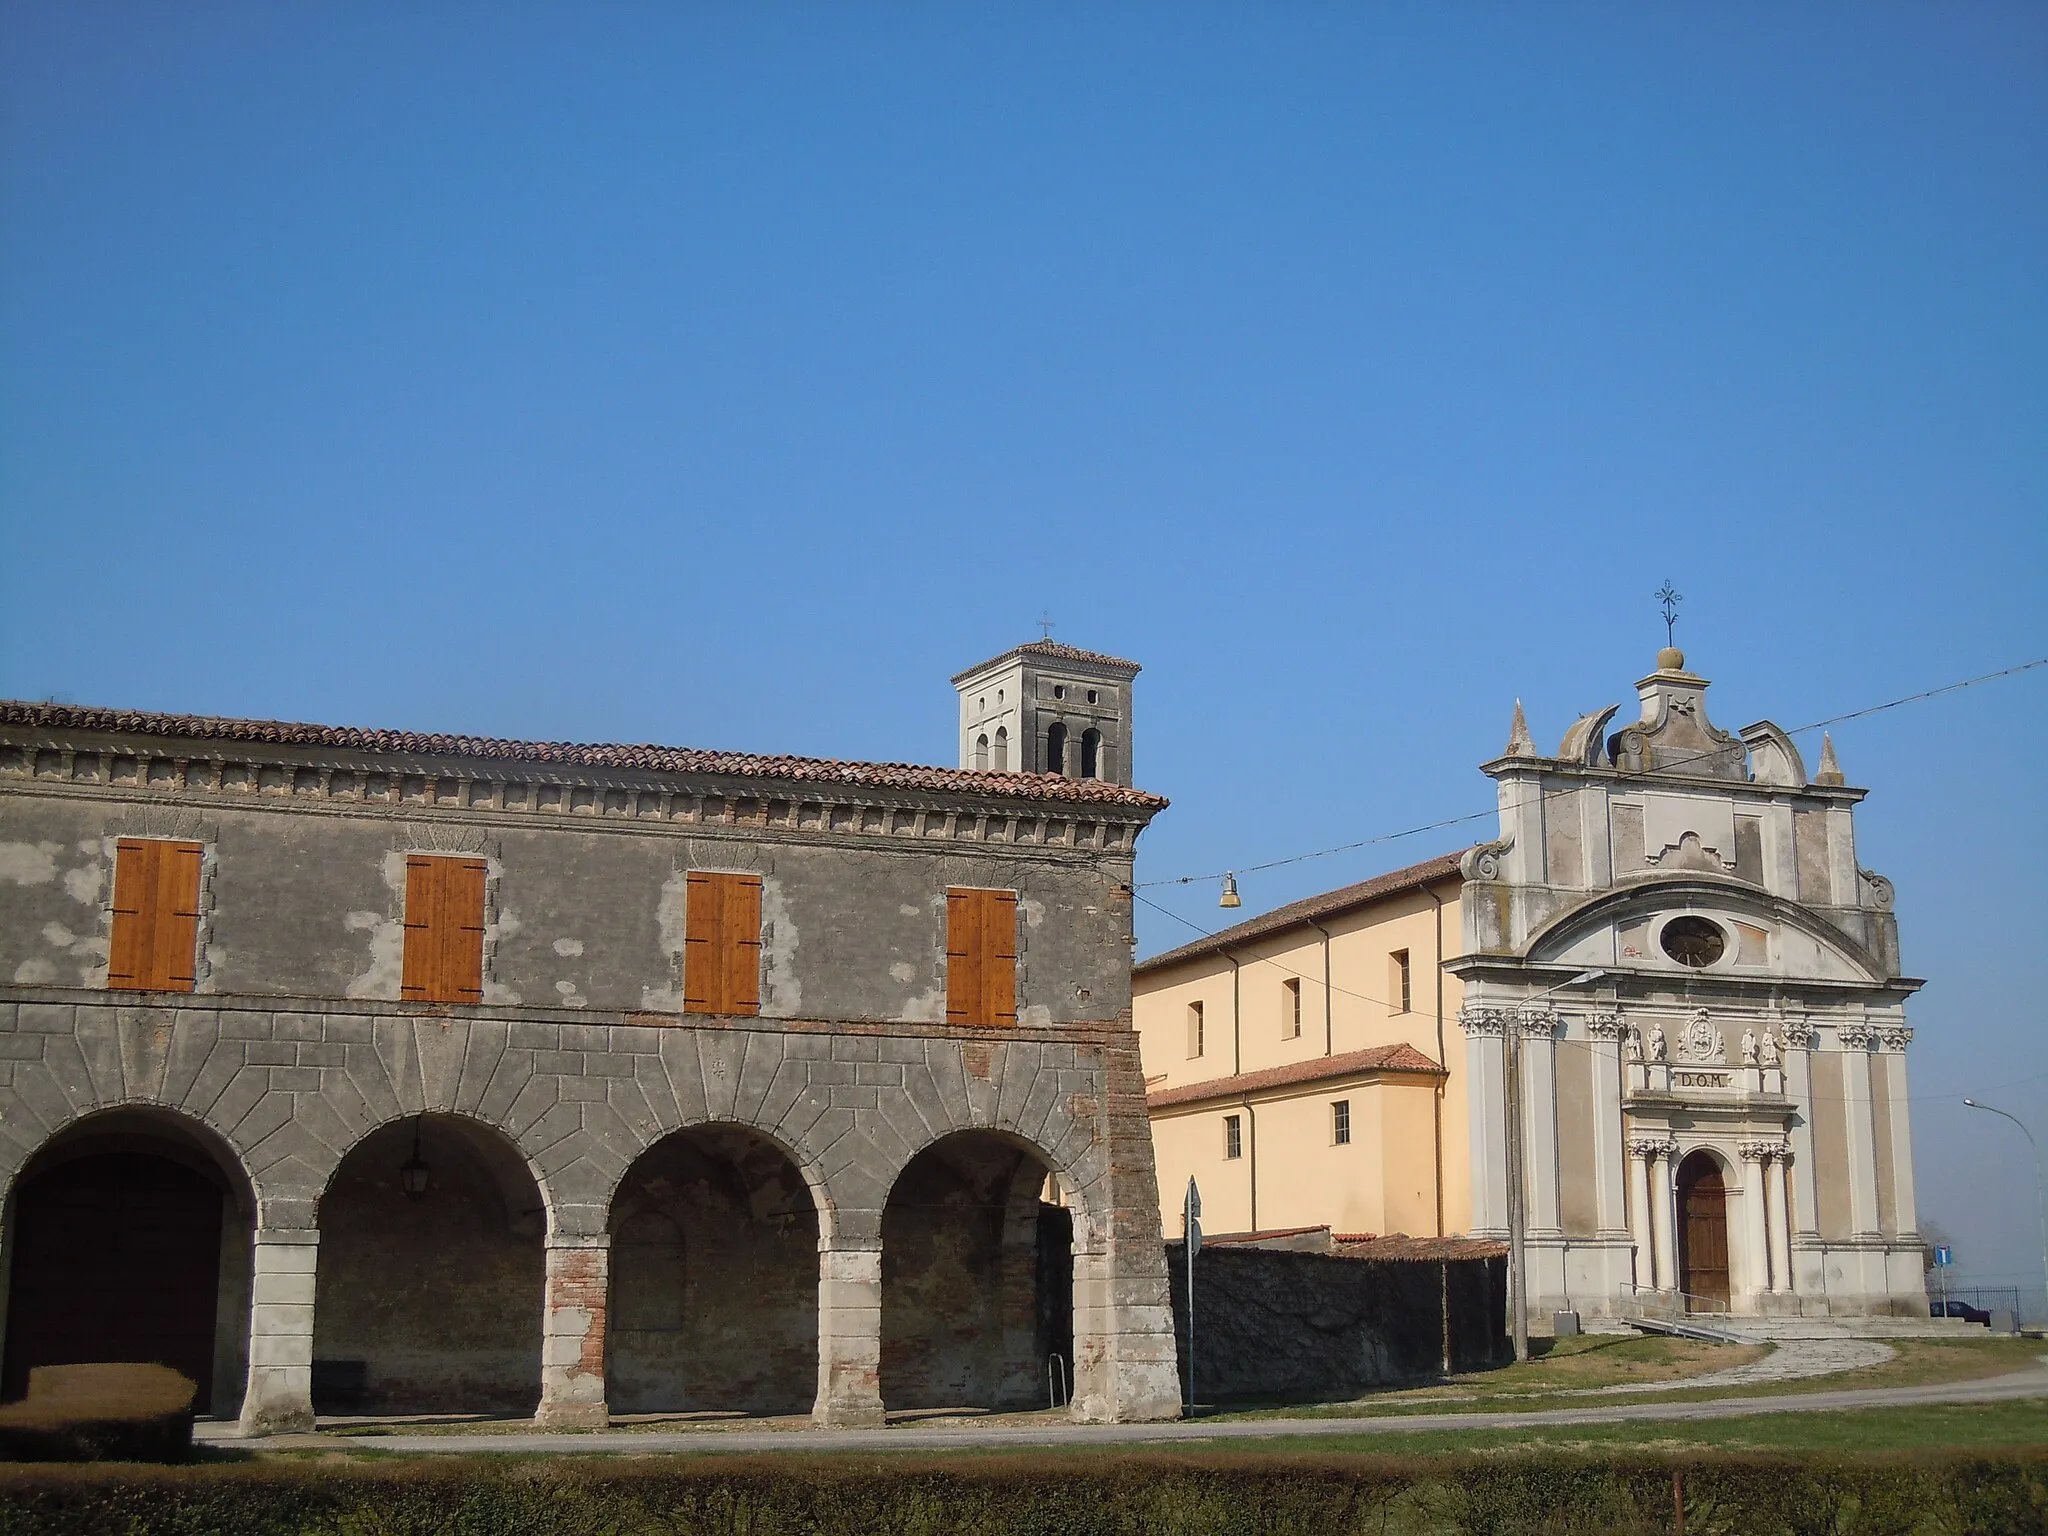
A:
[100, 1412]
[1072, 1494]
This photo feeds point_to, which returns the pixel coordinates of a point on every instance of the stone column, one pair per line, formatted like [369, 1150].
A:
[1779, 1221]
[1611, 1162]
[1895, 1039]
[1756, 1157]
[849, 1332]
[1855, 1040]
[1539, 1122]
[280, 1395]
[572, 1333]
[1664, 1214]
[1486, 1075]
[1641, 1152]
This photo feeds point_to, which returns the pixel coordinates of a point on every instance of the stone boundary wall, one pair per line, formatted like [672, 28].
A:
[1313, 1327]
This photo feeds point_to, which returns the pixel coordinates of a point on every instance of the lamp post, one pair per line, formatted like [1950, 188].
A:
[414, 1176]
[2040, 1189]
[1518, 1220]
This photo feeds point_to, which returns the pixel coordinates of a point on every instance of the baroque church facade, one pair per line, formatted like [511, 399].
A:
[1673, 949]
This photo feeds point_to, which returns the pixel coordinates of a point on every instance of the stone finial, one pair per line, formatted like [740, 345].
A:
[1520, 742]
[1671, 659]
[1829, 771]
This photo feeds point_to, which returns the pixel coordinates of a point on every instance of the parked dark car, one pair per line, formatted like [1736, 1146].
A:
[1960, 1309]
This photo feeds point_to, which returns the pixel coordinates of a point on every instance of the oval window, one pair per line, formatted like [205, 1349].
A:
[1693, 941]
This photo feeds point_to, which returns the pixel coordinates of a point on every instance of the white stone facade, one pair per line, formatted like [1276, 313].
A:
[1717, 1116]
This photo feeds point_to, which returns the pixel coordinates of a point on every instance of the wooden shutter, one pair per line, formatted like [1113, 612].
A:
[156, 915]
[444, 930]
[721, 943]
[981, 957]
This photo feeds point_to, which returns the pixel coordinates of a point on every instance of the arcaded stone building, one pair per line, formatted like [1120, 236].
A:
[356, 1070]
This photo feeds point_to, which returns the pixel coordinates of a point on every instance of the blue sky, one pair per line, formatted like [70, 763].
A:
[732, 375]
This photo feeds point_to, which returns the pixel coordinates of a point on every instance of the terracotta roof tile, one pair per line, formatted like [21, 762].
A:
[1381, 1058]
[645, 757]
[1311, 908]
[1365, 1245]
[1053, 650]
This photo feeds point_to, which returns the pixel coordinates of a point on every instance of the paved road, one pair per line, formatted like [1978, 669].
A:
[2019, 1385]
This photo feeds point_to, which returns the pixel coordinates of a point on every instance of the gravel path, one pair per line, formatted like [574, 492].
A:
[2020, 1385]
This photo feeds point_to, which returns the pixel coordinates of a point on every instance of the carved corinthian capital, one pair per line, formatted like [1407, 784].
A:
[1650, 1148]
[1855, 1037]
[1606, 1026]
[1487, 1023]
[1896, 1038]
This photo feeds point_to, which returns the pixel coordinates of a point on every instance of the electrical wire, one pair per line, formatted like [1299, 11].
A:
[1456, 821]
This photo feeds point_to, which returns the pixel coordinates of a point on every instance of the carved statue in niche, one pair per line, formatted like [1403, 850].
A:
[1749, 1047]
[1767, 1050]
[1656, 1042]
[1635, 1045]
[1700, 1040]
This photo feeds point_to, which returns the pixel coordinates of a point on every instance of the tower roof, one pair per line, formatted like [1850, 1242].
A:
[1053, 650]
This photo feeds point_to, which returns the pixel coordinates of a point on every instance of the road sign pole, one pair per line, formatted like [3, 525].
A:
[1191, 1217]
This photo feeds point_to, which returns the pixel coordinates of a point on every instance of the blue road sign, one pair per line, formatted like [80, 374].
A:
[1943, 1257]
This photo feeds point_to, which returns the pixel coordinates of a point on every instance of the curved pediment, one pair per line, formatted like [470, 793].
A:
[1701, 926]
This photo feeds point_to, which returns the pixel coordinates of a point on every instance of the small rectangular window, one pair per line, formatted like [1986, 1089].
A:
[1194, 1030]
[721, 943]
[981, 956]
[1340, 1122]
[1290, 1007]
[1400, 981]
[1233, 1136]
[156, 915]
[444, 930]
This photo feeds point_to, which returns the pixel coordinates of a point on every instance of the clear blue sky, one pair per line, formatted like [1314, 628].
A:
[730, 375]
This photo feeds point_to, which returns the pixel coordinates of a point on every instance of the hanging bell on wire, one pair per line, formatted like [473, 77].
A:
[1229, 896]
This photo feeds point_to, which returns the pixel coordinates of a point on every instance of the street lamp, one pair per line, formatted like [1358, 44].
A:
[2040, 1197]
[414, 1176]
[1518, 1221]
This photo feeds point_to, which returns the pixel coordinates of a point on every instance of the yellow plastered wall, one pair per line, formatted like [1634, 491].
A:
[1387, 1182]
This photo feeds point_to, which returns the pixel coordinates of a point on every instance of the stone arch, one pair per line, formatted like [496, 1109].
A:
[431, 1300]
[977, 1276]
[1705, 894]
[129, 1235]
[713, 1301]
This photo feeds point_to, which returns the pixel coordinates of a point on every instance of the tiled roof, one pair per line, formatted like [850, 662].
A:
[1053, 650]
[1365, 1245]
[1310, 909]
[648, 758]
[1381, 1058]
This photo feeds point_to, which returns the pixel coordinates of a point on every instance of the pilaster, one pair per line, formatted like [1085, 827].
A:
[1485, 1032]
[1604, 1032]
[1855, 1041]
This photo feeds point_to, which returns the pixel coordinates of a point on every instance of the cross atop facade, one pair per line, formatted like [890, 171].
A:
[1045, 626]
[1670, 597]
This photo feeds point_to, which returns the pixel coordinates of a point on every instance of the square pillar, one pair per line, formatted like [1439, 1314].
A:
[280, 1395]
[849, 1334]
[573, 1313]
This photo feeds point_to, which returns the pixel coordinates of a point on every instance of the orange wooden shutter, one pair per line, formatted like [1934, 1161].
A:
[981, 957]
[963, 957]
[462, 931]
[417, 978]
[721, 943]
[999, 957]
[134, 934]
[444, 930]
[174, 950]
[703, 919]
[742, 939]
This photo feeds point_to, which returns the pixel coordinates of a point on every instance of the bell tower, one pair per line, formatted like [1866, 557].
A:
[1045, 707]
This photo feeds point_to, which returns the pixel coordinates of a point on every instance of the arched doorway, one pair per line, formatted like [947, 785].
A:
[1703, 1234]
[977, 1279]
[130, 1240]
[714, 1279]
[432, 1261]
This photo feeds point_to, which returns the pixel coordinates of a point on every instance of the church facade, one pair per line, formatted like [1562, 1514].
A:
[359, 1072]
[1671, 946]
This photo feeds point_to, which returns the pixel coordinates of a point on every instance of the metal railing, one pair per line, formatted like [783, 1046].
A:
[1677, 1312]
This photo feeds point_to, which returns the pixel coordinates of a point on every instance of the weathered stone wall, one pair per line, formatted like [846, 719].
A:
[1322, 1327]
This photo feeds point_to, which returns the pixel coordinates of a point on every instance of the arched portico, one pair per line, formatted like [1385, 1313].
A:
[713, 1278]
[977, 1278]
[129, 1238]
[430, 1273]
